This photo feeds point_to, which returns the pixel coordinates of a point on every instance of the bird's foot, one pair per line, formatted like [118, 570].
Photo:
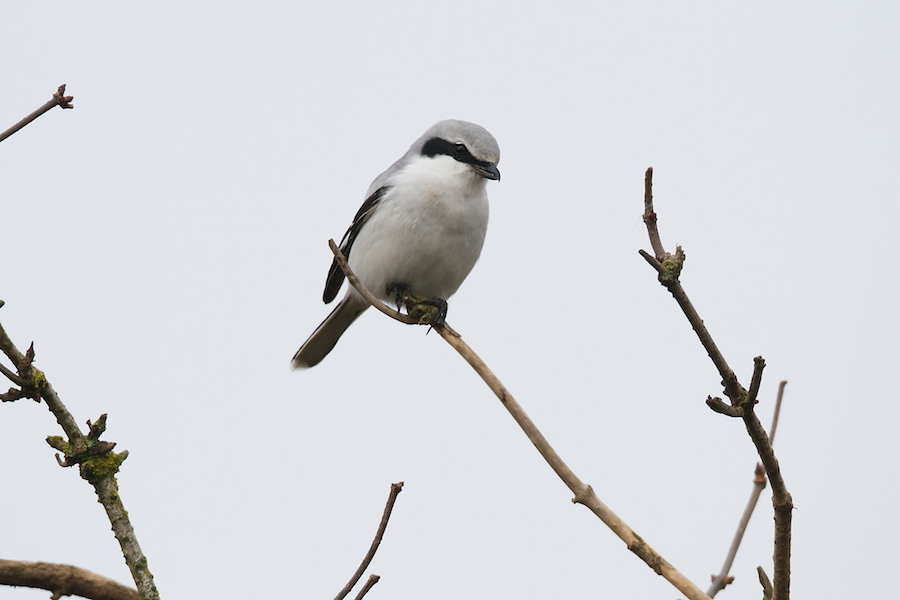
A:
[428, 312]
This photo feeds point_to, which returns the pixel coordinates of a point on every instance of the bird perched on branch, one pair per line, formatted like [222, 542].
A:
[419, 231]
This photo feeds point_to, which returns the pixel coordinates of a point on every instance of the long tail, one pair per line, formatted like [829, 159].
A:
[329, 332]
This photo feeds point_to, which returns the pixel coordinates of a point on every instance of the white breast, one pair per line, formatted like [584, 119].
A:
[427, 232]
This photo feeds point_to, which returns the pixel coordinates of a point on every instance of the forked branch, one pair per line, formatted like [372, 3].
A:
[396, 488]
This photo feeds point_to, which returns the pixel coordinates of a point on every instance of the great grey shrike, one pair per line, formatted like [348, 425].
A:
[420, 229]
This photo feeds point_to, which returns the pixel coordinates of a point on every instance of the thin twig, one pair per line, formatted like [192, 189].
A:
[732, 388]
[11, 376]
[722, 579]
[650, 216]
[758, 365]
[765, 583]
[718, 405]
[584, 494]
[781, 499]
[372, 580]
[669, 267]
[396, 488]
[58, 99]
[99, 470]
[369, 296]
[777, 411]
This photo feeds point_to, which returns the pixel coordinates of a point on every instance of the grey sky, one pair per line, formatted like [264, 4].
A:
[165, 248]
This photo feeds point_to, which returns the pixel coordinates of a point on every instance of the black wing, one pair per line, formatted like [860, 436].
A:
[335, 275]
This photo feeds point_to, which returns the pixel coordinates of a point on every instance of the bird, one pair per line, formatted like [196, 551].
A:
[420, 229]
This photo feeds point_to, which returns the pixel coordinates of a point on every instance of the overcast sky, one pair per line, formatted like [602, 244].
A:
[165, 247]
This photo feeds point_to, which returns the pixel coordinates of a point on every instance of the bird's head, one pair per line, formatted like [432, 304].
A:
[466, 143]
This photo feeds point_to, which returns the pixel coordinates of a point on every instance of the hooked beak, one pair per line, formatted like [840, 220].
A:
[487, 170]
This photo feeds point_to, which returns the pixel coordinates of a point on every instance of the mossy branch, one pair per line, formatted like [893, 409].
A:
[98, 464]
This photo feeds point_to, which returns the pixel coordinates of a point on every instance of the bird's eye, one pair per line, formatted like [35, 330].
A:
[460, 150]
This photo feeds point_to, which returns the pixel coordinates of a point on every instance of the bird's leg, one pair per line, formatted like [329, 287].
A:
[400, 292]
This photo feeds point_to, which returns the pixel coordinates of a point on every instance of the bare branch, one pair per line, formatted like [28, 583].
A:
[584, 494]
[759, 484]
[58, 99]
[63, 580]
[671, 269]
[373, 579]
[722, 579]
[669, 277]
[396, 488]
[781, 500]
[777, 411]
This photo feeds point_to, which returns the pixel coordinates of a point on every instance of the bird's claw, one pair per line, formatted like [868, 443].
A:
[441, 315]
[428, 312]
[400, 293]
